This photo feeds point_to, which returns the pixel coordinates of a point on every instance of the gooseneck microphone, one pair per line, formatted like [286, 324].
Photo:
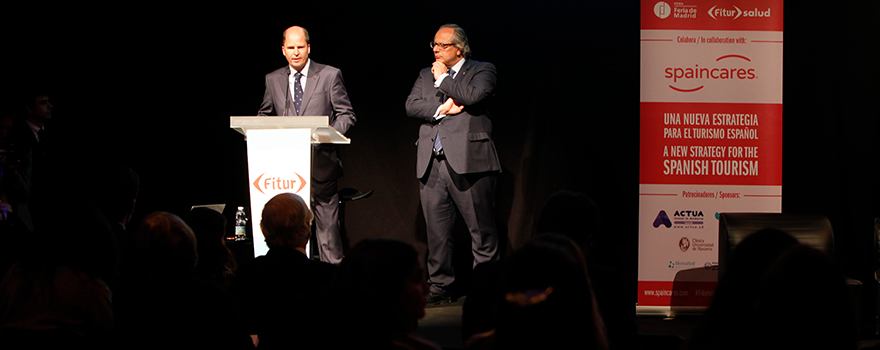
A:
[287, 94]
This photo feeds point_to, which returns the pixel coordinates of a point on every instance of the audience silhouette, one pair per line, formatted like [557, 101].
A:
[216, 262]
[803, 304]
[16, 225]
[380, 291]
[545, 300]
[57, 294]
[275, 291]
[575, 216]
[777, 293]
[79, 276]
[114, 191]
[175, 308]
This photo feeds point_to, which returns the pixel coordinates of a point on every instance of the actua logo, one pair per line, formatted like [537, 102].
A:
[732, 69]
[688, 213]
[265, 183]
[662, 219]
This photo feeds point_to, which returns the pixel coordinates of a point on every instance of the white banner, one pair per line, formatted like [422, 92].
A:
[279, 161]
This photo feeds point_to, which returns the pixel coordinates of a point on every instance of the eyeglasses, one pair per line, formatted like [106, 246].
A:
[442, 46]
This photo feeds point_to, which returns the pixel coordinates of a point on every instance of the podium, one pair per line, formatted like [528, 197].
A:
[279, 151]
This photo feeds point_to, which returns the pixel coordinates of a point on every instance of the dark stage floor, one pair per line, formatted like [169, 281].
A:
[442, 324]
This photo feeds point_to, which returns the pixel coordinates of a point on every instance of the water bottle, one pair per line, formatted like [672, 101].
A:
[240, 225]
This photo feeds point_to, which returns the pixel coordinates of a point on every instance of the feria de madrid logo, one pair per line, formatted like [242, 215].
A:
[662, 10]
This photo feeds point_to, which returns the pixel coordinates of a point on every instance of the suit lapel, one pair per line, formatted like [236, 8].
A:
[314, 77]
[463, 75]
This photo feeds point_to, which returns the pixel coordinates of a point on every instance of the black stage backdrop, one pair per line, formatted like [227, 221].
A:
[153, 87]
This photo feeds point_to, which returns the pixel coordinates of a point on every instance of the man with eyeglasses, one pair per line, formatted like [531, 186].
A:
[305, 87]
[457, 164]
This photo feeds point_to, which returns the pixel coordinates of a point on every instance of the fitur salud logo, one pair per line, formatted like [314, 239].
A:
[719, 12]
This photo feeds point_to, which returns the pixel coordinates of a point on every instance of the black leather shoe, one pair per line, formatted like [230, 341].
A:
[434, 298]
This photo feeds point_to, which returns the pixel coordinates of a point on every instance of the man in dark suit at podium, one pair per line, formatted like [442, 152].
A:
[308, 88]
[457, 164]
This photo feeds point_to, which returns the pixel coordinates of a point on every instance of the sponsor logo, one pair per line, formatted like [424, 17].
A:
[684, 244]
[688, 219]
[662, 219]
[682, 264]
[698, 245]
[662, 10]
[729, 70]
[724, 13]
[265, 183]
[701, 245]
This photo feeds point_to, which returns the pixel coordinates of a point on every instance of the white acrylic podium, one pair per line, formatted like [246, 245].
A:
[280, 160]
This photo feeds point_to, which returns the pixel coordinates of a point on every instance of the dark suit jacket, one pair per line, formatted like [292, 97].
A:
[274, 290]
[324, 94]
[26, 186]
[467, 136]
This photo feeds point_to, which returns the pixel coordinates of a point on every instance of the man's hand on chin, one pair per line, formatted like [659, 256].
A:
[438, 69]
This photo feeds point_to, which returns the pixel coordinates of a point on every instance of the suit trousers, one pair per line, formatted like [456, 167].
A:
[441, 192]
[325, 206]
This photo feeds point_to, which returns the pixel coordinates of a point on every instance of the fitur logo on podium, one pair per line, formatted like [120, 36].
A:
[273, 183]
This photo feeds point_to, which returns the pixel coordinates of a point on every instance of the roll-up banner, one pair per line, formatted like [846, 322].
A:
[711, 138]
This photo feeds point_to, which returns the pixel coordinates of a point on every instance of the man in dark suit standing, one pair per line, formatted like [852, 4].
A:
[457, 164]
[308, 88]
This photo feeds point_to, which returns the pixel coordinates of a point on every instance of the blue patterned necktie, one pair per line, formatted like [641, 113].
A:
[437, 145]
[297, 92]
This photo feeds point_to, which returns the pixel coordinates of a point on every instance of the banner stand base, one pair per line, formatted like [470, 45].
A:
[670, 311]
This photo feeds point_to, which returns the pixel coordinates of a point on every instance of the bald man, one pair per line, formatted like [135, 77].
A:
[272, 289]
[307, 88]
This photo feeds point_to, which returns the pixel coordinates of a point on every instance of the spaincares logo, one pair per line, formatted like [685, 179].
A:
[730, 69]
[265, 183]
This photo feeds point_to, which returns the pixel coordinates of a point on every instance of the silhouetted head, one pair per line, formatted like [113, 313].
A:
[116, 189]
[544, 285]
[803, 303]
[388, 273]
[167, 244]
[77, 236]
[572, 214]
[286, 222]
[37, 107]
[216, 261]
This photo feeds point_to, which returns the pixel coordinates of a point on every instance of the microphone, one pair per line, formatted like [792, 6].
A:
[287, 94]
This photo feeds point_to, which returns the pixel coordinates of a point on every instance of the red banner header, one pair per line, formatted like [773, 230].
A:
[712, 15]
